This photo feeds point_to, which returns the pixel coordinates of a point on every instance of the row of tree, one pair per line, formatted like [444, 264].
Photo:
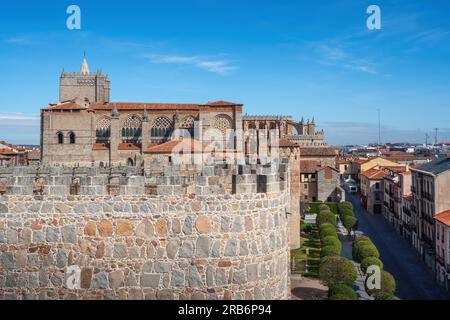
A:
[379, 283]
[335, 271]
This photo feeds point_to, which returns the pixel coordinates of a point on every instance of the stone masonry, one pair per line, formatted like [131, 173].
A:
[219, 232]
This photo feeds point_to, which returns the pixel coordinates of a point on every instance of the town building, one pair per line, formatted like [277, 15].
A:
[372, 190]
[396, 186]
[430, 188]
[442, 239]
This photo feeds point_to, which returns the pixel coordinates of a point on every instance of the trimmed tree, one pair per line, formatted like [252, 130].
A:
[335, 269]
[331, 241]
[342, 289]
[328, 251]
[326, 217]
[385, 296]
[371, 261]
[387, 283]
[349, 222]
[365, 251]
[326, 230]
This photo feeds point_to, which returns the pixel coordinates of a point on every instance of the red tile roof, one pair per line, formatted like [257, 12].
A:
[100, 146]
[7, 152]
[222, 103]
[374, 174]
[178, 145]
[3, 157]
[443, 217]
[309, 166]
[141, 106]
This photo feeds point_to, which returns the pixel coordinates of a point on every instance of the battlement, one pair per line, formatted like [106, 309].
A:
[216, 179]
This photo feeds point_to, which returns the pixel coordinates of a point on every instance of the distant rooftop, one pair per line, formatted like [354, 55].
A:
[435, 167]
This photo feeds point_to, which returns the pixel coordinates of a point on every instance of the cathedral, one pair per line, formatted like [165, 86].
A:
[85, 128]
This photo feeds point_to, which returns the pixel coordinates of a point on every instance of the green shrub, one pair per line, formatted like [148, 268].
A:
[340, 297]
[324, 207]
[335, 269]
[330, 251]
[349, 222]
[359, 241]
[385, 296]
[326, 230]
[342, 289]
[365, 251]
[326, 217]
[331, 241]
[347, 212]
[388, 284]
[345, 205]
[307, 227]
[371, 261]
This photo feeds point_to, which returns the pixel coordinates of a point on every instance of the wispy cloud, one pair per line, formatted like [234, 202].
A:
[21, 40]
[430, 37]
[333, 55]
[214, 65]
[6, 117]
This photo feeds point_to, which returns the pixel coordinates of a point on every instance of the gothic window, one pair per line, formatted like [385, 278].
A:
[60, 138]
[72, 138]
[251, 125]
[188, 124]
[161, 128]
[222, 123]
[103, 129]
[262, 126]
[132, 129]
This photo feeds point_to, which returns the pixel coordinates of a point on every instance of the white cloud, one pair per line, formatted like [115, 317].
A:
[21, 40]
[338, 57]
[218, 66]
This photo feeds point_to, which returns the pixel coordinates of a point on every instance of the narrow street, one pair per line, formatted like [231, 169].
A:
[414, 280]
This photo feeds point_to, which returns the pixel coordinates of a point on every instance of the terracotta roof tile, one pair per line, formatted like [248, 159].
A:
[309, 166]
[222, 103]
[443, 217]
[100, 146]
[374, 174]
[181, 145]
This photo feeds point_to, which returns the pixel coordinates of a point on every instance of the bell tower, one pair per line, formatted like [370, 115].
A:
[84, 84]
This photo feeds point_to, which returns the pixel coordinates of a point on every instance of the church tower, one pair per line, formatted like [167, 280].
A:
[84, 84]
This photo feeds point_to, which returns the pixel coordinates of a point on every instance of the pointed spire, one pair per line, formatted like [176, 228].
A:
[303, 120]
[84, 66]
[313, 121]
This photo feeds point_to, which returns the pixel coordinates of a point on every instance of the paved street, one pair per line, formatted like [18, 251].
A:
[414, 280]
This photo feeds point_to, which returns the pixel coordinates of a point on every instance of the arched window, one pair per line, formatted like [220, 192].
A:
[222, 122]
[187, 124]
[132, 129]
[72, 138]
[60, 138]
[103, 129]
[161, 128]
[130, 162]
[262, 125]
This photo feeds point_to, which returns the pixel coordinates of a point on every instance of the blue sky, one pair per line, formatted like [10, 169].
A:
[310, 58]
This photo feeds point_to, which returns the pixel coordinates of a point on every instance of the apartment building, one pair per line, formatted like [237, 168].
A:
[372, 190]
[442, 231]
[431, 195]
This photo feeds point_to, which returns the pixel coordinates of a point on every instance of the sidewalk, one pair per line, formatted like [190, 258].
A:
[347, 253]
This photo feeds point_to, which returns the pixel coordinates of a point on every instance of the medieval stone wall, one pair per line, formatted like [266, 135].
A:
[218, 233]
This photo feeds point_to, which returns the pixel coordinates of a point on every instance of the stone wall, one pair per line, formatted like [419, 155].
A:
[207, 239]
